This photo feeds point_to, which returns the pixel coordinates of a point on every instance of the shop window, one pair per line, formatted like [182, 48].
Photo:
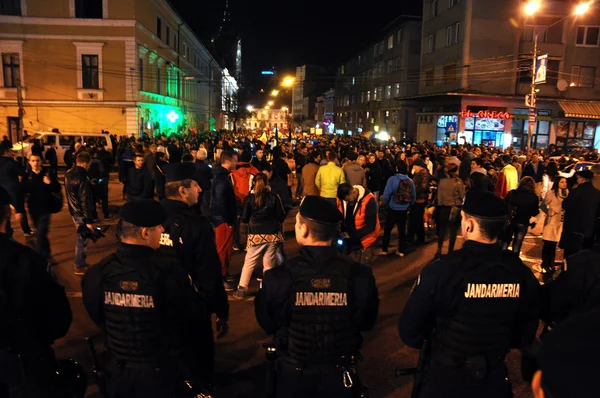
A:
[570, 133]
[583, 76]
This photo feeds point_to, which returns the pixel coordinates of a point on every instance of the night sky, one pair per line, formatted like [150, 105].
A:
[285, 34]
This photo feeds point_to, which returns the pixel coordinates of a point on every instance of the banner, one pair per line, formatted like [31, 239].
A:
[541, 66]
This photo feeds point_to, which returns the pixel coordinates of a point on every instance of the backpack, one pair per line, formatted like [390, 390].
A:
[404, 193]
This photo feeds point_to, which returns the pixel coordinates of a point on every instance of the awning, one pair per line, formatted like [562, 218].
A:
[581, 109]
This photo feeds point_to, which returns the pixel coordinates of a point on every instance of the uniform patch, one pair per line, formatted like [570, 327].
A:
[321, 283]
[130, 286]
[165, 240]
[493, 290]
[327, 299]
[128, 300]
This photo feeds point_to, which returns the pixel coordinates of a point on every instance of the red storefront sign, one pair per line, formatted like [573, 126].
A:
[488, 114]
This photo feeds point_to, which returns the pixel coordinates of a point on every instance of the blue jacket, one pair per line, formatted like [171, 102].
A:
[390, 189]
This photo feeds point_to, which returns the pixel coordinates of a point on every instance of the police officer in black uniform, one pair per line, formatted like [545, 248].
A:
[189, 238]
[472, 306]
[147, 309]
[34, 311]
[575, 290]
[317, 305]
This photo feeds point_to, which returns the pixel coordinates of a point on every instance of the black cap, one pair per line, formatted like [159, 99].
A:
[569, 357]
[420, 162]
[180, 171]
[587, 174]
[4, 197]
[318, 209]
[143, 213]
[485, 205]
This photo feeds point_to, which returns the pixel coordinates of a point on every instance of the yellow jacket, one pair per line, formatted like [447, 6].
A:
[329, 177]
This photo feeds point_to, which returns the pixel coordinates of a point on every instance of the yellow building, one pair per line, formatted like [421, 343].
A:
[123, 66]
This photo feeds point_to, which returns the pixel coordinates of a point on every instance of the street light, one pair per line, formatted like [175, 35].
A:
[288, 81]
[250, 108]
[274, 93]
[531, 8]
[270, 103]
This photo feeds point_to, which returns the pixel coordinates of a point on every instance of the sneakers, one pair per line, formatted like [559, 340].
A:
[240, 293]
[400, 254]
[382, 252]
[229, 287]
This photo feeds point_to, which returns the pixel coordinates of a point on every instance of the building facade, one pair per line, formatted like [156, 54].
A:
[310, 82]
[474, 79]
[123, 66]
[371, 86]
[267, 119]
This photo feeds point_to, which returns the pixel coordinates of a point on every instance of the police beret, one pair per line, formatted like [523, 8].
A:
[587, 174]
[143, 213]
[318, 209]
[420, 162]
[568, 357]
[180, 171]
[484, 205]
[4, 197]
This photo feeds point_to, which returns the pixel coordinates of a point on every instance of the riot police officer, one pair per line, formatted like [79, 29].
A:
[471, 306]
[575, 290]
[147, 309]
[189, 238]
[34, 311]
[317, 305]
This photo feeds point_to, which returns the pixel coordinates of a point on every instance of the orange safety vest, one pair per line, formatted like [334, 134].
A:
[360, 219]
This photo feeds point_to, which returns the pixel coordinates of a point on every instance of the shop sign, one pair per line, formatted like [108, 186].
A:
[487, 114]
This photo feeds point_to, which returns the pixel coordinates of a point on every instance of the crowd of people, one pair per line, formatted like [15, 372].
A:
[192, 200]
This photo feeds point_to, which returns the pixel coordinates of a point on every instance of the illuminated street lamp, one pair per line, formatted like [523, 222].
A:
[250, 108]
[530, 9]
[274, 93]
[288, 81]
[270, 103]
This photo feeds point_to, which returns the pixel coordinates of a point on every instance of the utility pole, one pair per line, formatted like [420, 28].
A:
[21, 115]
[531, 98]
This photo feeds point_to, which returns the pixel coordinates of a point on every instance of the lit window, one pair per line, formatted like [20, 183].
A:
[379, 93]
[369, 95]
[388, 92]
[588, 36]
[353, 81]
[583, 76]
[141, 71]
[390, 42]
[397, 90]
[375, 95]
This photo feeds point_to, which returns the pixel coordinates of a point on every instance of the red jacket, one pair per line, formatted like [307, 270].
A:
[241, 181]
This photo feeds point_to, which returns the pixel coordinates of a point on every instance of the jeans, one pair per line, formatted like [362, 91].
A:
[268, 251]
[224, 241]
[80, 246]
[394, 218]
[42, 226]
[519, 232]
[446, 225]
[415, 223]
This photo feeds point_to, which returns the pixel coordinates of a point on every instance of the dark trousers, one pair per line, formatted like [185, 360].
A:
[42, 226]
[299, 186]
[315, 381]
[548, 254]
[446, 226]
[394, 218]
[586, 243]
[415, 223]
[25, 223]
[100, 195]
[519, 231]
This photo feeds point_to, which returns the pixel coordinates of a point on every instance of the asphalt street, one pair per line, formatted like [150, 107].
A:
[240, 356]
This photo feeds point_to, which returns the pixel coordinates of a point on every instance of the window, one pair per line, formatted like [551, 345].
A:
[588, 36]
[185, 50]
[381, 71]
[359, 59]
[10, 7]
[398, 63]
[456, 32]
[375, 51]
[433, 8]
[449, 35]
[353, 81]
[399, 36]
[89, 71]
[381, 47]
[390, 66]
[362, 97]
[10, 69]
[342, 70]
[390, 42]
[141, 74]
[583, 76]
[531, 30]
[379, 93]
[167, 35]
[159, 27]
[368, 95]
[525, 72]
[388, 92]
[88, 9]
[397, 90]
[449, 73]
[431, 43]
[158, 82]
[175, 42]
[429, 76]
[375, 94]
[452, 3]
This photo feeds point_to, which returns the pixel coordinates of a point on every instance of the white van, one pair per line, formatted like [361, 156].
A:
[62, 142]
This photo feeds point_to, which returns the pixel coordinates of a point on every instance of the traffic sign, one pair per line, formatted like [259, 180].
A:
[451, 127]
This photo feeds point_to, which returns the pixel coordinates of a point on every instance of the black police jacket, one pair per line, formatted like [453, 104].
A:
[575, 290]
[79, 194]
[480, 299]
[146, 306]
[190, 239]
[34, 310]
[317, 304]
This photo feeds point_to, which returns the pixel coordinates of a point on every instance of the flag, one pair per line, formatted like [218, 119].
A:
[366, 134]
[264, 138]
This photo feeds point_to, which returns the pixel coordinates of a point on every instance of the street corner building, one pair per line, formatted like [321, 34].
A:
[122, 66]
